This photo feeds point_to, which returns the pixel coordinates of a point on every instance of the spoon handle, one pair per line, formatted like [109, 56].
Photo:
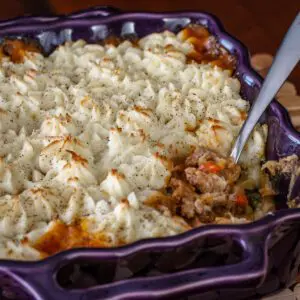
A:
[285, 60]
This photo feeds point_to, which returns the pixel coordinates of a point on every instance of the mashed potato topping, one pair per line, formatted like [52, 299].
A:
[89, 133]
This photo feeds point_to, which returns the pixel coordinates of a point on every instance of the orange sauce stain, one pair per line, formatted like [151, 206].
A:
[62, 237]
[160, 199]
[77, 158]
[115, 173]
[206, 48]
[16, 49]
[216, 127]
[243, 115]
[112, 40]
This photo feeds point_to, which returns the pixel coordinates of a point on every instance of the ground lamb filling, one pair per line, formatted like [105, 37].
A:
[105, 144]
[205, 189]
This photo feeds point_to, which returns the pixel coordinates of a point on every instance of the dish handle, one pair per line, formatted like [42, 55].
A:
[40, 281]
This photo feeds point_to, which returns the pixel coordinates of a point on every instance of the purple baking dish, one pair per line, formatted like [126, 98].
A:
[212, 262]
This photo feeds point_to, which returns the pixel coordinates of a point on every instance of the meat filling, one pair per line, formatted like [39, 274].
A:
[205, 189]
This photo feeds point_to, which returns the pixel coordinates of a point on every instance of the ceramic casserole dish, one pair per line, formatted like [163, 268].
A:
[210, 262]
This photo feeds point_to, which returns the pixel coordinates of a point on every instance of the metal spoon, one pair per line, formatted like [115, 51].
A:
[285, 60]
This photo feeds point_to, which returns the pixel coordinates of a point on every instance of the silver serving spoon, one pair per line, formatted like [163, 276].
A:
[285, 60]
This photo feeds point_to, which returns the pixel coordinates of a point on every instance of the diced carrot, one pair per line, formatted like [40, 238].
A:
[241, 200]
[211, 167]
